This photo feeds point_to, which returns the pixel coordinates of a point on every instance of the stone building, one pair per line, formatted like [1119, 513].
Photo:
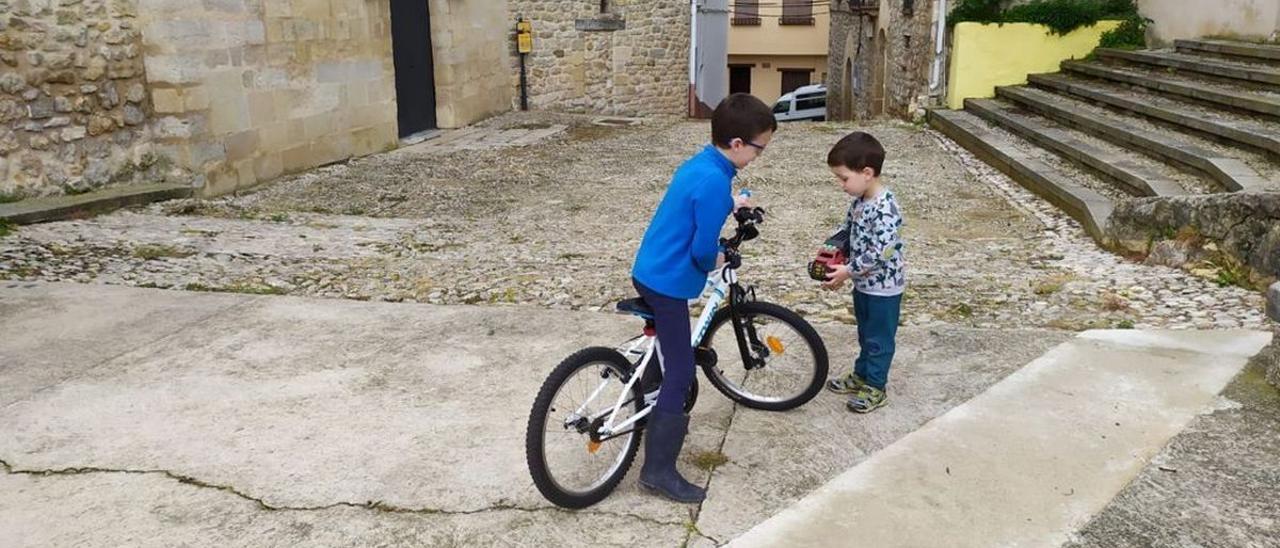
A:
[225, 94]
[622, 57]
[881, 58]
[74, 106]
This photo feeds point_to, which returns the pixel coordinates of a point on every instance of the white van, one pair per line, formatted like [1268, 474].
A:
[805, 103]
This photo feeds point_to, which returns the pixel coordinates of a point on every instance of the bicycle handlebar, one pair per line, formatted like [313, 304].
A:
[747, 219]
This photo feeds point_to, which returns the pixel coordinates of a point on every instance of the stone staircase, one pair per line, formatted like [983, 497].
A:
[1203, 117]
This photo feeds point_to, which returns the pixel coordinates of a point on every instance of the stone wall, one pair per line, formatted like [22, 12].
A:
[246, 90]
[1237, 233]
[632, 60]
[879, 58]
[1177, 19]
[73, 104]
[472, 69]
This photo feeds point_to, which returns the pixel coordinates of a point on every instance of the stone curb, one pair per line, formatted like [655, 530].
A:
[1206, 67]
[1237, 49]
[1233, 174]
[1083, 204]
[1138, 179]
[1242, 101]
[40, 210]
[1251, 136]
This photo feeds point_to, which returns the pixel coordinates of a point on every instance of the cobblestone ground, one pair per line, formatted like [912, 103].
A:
[555, 224]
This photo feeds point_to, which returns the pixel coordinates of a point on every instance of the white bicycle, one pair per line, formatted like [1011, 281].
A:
[584, 429]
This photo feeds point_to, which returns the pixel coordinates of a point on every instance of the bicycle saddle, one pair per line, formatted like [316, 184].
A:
[636, 307]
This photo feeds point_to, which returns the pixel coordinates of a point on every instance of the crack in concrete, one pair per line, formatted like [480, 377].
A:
[376, 506]
[697, 514]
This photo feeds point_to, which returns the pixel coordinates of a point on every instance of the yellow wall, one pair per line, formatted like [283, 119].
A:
[766, 82]
[986, 56]
[772, 38]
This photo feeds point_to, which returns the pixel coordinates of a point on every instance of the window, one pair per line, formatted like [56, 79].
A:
[793, 79]
[797, 12]
[746, 12]
[782, 107]
[739, 78]
[807, 102]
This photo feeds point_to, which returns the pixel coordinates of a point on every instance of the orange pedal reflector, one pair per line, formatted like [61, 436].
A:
[774, 344]
[593, 446]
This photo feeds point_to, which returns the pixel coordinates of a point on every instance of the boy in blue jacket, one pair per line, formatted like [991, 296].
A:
[680, 248]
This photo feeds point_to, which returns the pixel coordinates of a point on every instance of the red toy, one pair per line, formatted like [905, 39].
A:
[830, 257]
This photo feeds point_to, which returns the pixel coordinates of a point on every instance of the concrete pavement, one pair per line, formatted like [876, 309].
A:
[1031, 459]
[160, 418]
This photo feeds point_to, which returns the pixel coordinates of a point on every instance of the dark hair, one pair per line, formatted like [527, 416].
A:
[740, 116]
[856, 151]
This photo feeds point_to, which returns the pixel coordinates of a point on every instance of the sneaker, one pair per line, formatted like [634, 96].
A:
[867, 400]
[848, 384]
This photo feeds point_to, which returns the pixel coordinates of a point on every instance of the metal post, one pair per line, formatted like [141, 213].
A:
[524, 85]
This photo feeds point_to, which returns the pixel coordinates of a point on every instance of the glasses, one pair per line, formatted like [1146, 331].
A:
[751, 144]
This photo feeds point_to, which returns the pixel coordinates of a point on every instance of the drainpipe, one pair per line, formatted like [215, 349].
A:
[935, 75]
[693, 58]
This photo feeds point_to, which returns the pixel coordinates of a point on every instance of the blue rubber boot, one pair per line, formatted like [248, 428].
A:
[664, 437]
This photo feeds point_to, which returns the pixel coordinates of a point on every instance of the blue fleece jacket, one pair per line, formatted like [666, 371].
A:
[680, 247]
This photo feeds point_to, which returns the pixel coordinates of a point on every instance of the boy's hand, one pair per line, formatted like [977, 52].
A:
[836, 277]
[740, 201]
[719, 260]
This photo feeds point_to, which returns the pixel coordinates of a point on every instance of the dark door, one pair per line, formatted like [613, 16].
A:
[792, 79]
[739, 78]
[415, 77]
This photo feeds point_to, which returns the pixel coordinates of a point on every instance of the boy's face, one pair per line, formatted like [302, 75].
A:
[742, 153]
[853, 182]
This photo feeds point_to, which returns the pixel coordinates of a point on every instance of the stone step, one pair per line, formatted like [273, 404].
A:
[1238, 130]
[1233, 174]
[58, 208]
[1233, 49]
[1202, 91]
[1191, 63]
[1090, 208]
[1135, 178]
[1032, 459]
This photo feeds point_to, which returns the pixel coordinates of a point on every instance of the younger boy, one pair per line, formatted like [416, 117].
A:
[876, 266]
[680, 248]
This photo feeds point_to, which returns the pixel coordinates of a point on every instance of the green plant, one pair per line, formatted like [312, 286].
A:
[1061, 16]
[6, 227]
[1131, 34]
[11, 197]
[279, 217]
[1124, 324]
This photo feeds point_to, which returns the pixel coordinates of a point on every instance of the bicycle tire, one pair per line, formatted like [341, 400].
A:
[792, 320]
[535, 432]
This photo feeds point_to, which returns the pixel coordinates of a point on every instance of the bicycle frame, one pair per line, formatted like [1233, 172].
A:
[720, 285]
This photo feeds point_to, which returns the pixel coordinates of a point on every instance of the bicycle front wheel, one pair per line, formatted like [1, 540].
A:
[786, 362]
[572, 465]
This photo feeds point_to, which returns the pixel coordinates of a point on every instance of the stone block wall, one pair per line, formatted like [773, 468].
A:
[631, 60]
[879, 60]
[74, 111]
[1239, 231]
[247, 90]
[472, 67]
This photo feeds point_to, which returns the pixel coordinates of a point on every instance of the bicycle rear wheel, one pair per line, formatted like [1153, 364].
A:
[571, 465]
[786, 366]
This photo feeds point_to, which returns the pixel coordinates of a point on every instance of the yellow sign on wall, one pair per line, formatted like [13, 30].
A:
[524, 37]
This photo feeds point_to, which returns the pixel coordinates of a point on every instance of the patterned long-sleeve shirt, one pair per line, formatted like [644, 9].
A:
[875, 249]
